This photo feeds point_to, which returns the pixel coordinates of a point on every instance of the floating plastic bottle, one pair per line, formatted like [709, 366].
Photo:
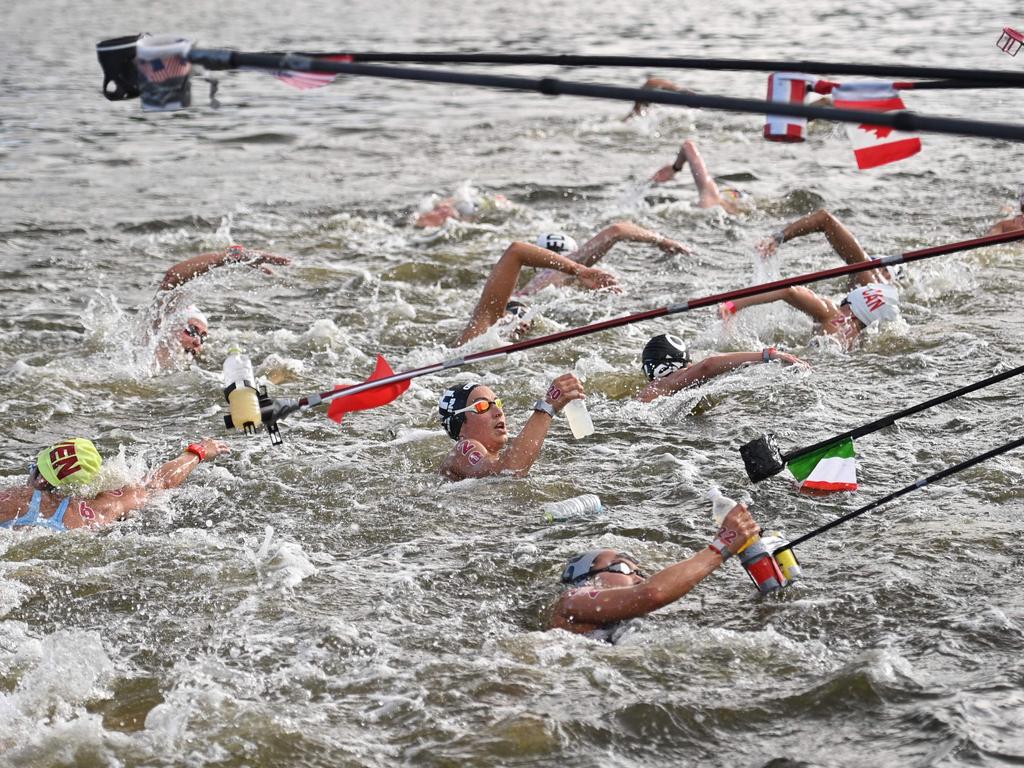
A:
[240, 392]
[579, 418]
[579, 507]
[754, 556]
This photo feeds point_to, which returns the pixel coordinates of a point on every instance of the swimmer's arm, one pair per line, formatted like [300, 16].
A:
[605, 606]
[596, 247]
[470, 458]
[1007, 225]
[525, 449]
[107, 507]
[652, 83]
[503, 278]
[804, 299]
[192, 268]
[706, 369]
[176, 471]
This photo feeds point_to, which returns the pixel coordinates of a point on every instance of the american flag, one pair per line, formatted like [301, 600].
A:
[306, 80]
[162, 70]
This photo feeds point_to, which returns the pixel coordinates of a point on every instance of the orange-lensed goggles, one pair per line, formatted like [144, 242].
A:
[480, 406]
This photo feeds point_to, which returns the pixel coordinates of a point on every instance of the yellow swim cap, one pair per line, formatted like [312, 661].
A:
[74, 460]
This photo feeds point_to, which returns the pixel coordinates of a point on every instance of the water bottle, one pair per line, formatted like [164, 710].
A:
[579, 507]
[776, 543]
[240, 392]
[579, 418]
[754, 556]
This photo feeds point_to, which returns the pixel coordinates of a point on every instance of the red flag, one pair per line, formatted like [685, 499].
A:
[875, 145]
[371, 398]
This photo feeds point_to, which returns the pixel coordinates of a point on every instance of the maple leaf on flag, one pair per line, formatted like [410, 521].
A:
[881, 131]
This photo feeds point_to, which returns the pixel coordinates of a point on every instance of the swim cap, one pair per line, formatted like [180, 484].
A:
[557, 243]
[874, 302]
[72, 461]
[454, 398]
[580, 566]
[663, 355]
[192, 312]
[516, 321]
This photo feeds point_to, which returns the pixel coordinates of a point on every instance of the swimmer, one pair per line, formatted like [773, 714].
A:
[654, 83]
[605, 588]
[467, 204]
[190, 326]
[562, 260]
[863, 306]
[53, 495]
[666, 362]
[839, 237]
[1015, 223]
[473, 416]
[709, 193]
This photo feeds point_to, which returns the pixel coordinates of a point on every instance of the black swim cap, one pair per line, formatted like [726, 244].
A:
[663, 354]
[580, 566]
[453, 399]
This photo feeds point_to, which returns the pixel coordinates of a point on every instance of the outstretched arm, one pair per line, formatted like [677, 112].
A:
[505, 274]
[799, 297]
[839, 237]
[596, 247]
[654, 83]
[192, 268]
[602, 607]
[111, 506]
[709, 368]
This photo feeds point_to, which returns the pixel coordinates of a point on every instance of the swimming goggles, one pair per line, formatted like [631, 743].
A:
[482, 405]
[619, 566]
[196, 333]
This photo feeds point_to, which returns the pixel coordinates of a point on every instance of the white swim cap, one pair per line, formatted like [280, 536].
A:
[874, 302]
[557, 243]
[192, 312]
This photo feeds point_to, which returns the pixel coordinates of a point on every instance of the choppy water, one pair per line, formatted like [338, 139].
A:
[329, 602]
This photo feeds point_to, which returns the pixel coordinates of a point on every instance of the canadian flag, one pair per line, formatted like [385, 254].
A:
[875, 145]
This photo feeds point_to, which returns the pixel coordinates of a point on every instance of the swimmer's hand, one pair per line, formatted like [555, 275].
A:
[259, 258]
[214, 447]
[563, 390]
[791, 359]
[664, 174]
[737, 528]
[596, 279]
[668, 245]
[770, 245]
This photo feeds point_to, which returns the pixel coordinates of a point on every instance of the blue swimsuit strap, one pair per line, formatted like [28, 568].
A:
[56, 520]
[31, 516]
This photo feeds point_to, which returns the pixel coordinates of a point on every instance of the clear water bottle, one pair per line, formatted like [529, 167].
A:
[579, 418]
[579, 507]
[754, 556]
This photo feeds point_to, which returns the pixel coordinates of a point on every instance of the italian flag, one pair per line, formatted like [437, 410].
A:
[875, 145]
[829, 469]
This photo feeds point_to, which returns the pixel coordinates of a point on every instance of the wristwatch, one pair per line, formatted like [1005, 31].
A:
[544, 407]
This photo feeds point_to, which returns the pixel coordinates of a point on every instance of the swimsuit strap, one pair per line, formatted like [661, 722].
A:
[56, 520]
[31, 514]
